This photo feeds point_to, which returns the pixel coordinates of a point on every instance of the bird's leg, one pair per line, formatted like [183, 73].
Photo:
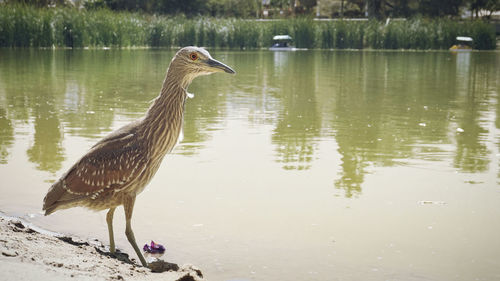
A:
[129, 207]
[131, 239]
[109, 220]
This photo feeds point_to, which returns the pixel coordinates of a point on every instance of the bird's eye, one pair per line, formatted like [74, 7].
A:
[193, 56]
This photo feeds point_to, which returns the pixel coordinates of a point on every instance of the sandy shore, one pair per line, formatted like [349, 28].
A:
[30, 253]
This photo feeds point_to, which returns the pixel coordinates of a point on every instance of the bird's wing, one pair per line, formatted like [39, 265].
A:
[112, 163]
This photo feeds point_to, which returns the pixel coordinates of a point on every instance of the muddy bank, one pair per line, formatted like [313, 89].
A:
[30, 253]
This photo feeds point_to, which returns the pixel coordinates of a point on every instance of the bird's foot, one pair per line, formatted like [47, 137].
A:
[121, 256]
[117, 254]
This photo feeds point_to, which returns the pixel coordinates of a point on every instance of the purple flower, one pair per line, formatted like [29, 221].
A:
[153, 248]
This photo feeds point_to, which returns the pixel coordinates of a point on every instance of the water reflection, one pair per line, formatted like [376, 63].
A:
[298, 124]
[47, 151]
[472, 154]
[206, 112]
[6, 136]
[31, 92]
[379, 108]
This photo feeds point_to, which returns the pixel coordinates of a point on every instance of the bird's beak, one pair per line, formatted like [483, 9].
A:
[218, 66]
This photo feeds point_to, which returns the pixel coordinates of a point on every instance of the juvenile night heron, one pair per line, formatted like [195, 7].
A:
[119, 167]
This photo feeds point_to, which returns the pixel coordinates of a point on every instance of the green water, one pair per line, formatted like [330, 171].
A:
[307, 165]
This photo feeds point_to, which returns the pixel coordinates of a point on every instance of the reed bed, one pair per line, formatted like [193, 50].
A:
[26, 26]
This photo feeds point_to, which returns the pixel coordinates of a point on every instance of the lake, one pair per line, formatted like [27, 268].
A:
[307, 165]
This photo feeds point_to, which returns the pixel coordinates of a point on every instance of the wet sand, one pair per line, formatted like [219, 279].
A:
[31, 253]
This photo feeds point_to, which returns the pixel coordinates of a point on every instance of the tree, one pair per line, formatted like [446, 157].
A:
[42, 3]
[375, 8]
[233, 8]
[280, 3]
[439, 8]
[493, 6]
[308, 4]
[187, 7]
[399, 8]
[489, 5]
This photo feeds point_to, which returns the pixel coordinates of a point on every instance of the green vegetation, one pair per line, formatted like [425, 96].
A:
[27, 26]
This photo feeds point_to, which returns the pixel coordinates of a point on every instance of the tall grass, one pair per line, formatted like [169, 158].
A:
[26, 26]
[342, 35]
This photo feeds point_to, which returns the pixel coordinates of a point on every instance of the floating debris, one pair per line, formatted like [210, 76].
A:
[426, 202]
[460, 130]
[154, 248]
[473, 182]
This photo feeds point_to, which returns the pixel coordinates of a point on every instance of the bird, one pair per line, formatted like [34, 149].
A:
[118, 167]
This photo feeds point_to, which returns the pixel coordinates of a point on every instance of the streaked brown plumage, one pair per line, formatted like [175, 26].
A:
[119, 167]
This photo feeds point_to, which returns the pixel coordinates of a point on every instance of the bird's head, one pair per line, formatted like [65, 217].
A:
[195, 61]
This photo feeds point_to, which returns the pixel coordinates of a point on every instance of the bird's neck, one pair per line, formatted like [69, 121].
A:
[163, 121]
